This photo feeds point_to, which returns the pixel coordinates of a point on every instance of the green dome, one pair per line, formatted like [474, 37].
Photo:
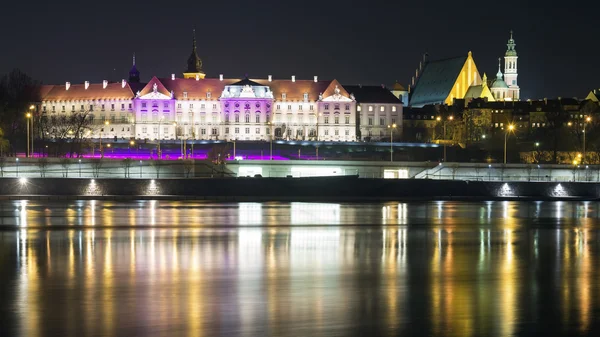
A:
[499, 84]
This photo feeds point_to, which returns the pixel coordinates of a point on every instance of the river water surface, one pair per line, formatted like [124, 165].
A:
[167, 268]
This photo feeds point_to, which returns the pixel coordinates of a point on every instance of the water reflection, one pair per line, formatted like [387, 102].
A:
[156, 268]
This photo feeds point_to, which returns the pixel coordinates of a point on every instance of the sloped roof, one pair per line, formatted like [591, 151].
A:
[160, 87]
[436, 81]
[398, 87]
[295, 90]
[95, 91]
[197, 89]
[246, 81]
[372, 94]
[474, 91]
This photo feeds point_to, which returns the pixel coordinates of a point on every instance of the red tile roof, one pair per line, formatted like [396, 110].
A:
[295, 90]
[79, 92]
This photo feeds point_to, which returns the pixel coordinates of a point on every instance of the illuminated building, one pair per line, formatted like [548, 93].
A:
[377, 109]
[444, 81]
[196, 107]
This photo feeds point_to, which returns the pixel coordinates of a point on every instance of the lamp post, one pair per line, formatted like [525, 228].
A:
[587, 120]
[17, 160]
[270, 140]
[28, 115]
[509, 129]
[159, 124]
[450, 118]
[106, 123]
[392, 127]
[79, 168]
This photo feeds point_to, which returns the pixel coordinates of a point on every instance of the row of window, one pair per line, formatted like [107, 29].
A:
[91, 107]
[381, 121]
[381, 108]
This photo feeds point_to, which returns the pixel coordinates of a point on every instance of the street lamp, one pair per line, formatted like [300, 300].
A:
[159, 123]
[270, 140]
[587, 120]
[28, 115]
[510, 128]
[79, 168]
[450, 118]
[106, 123]
[392, 127]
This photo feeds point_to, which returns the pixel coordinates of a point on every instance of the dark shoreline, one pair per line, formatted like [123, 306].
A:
[315, 189]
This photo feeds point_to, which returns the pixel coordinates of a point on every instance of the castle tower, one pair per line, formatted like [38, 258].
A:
[194, 63]
[134, 74]
[510, 69]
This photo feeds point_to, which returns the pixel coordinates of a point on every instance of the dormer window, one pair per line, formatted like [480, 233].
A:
[326, 106]
[306, 96]
[208, 95]
[284, 96]
[185, 94]
[347, 107]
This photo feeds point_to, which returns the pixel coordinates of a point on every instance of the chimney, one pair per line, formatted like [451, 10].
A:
[123, 83]
[104, 84]
[383, 86]
[413, 81]
[409, 89]
[87, 84]
[316, 78]
[220, 77]
[172, 77]
[197, 77]
[67, 85]
[293, 78]
[417, 73]
[270, 78]
[545, 100]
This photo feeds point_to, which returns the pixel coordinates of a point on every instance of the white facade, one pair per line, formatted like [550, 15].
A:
[510, 70]
[377, 120]
[210, 109]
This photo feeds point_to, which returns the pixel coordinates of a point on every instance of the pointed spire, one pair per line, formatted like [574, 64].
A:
[510, 51]
[134, 73]
[194, 39]
[134, 59]
[499, 74]
[194, 63]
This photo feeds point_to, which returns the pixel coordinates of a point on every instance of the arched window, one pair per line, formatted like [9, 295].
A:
[247, 118]
[237, 118]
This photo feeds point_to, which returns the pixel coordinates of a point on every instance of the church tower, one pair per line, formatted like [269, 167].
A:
[510, 69]
[194, 63]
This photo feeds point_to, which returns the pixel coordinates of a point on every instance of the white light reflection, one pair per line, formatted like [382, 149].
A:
[23, 213]
[249, 213]
[402, 214]
[315, 213]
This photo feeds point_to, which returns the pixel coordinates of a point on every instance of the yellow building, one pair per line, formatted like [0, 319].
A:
[442, 81]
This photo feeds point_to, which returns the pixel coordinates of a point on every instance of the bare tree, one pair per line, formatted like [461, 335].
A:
[73, 128]
[96, 166]
[65, 163]
[218, 153]
[157, 165]
[42, 164]
[188, 166]
[2, 165]
[126, 164]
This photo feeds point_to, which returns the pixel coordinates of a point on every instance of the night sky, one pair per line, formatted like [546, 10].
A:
[366, 42]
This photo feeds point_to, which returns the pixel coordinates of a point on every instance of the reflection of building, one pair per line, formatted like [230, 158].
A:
[443, 81]
[195, 107]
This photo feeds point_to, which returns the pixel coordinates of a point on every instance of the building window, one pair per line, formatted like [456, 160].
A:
[347, 107]
[53, 108]
[226, 118]
[336, 120]
[237, 118]
[247, 119]
[208, 95]
[347, 120]
[370, 120]
[237, 130]
[337, 132]
[370, 108]
[73, 108]
[310, 108]
[112, 107]
[202, 131]
[191, 105]
[326, 120]
[326, 106]
[278, 107]
[247, 130]
[227, 131]
[393, 121]
[289, 107]
[326, 132]
[258, 131]
[257, 118]
[185, 94]
[306, 96]
[394, 108]
[214, 131]
[283, 95]
[91, 108]
[214, 107]
[381, 121]
[143, 105]
[144, 129]
[347, 132]
[300, 107]
[202, 106]
[129, 106]
[382, 108]
[358, 108]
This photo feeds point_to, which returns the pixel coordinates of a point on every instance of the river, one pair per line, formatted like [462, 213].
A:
[175, 268]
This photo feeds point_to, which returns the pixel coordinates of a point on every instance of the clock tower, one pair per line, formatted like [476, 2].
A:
[510, 69]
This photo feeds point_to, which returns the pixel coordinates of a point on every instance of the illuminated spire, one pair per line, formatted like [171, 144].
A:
[510, 51]
[133, 59]
[134, 74]
[499, 74]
